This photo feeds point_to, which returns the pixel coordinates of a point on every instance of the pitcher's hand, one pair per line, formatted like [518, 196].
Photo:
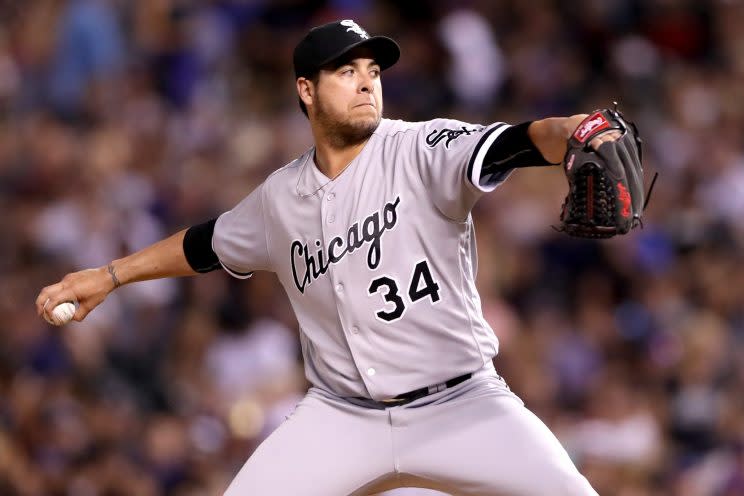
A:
[88, 288]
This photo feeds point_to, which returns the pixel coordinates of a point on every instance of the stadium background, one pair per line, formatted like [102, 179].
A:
[122, 121]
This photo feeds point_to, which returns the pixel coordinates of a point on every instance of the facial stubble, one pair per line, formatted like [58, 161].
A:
[347, 132]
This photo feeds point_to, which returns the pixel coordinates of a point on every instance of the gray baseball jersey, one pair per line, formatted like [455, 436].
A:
[379, 263]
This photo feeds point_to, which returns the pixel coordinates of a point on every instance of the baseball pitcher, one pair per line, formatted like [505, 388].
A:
[371, 236]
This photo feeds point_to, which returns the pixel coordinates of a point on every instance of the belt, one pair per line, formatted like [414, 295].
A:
[405, 398]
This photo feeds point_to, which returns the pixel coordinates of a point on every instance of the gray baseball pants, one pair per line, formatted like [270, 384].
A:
[476, 438]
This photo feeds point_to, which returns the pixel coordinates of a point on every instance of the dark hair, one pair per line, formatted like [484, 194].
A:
[314, 78]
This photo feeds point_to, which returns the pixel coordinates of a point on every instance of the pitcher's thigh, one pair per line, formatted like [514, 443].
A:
[320, 450]
[491, 445]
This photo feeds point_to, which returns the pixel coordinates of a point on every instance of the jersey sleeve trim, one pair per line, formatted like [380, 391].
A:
[244, 274]
[235, 273]
[486, 182]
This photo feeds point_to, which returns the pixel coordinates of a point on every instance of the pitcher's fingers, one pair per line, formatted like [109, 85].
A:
[603, 138]
[55, 297]
[81, 312]
[42, 300]
[43, 308]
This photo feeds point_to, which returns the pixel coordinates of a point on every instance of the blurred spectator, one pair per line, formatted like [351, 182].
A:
[88, 55]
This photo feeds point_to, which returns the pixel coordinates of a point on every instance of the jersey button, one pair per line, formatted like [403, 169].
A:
[339, 288]
[371, 371]
[331, 196]
[331, 219]
[355, 330]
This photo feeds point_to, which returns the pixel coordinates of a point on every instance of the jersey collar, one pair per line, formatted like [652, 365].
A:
[310, 179]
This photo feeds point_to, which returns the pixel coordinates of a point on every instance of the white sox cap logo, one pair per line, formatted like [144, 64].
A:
[449, 135]
[353, 26]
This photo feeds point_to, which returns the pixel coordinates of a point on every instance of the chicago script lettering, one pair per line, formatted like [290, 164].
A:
[308, 266]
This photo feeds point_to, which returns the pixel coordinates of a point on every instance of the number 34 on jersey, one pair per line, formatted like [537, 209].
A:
[422, 285]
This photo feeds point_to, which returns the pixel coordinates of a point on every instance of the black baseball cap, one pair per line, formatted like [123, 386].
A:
[326, 43]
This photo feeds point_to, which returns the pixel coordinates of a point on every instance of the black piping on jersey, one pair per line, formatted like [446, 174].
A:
[512, 149]
[477, 149]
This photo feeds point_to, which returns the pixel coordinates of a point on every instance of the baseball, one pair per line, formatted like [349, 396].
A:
[62, 313]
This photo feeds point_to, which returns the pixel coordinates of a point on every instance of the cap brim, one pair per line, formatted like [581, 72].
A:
[386, 52]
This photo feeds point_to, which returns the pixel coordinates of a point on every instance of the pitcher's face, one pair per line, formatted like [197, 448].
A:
[347, 101]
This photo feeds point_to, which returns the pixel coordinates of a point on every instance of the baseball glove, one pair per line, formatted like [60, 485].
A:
[605, 186]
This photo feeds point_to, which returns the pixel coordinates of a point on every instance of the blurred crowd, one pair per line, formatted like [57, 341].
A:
[122, 121]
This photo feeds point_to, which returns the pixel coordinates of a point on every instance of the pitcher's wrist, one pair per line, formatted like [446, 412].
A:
[111, 270]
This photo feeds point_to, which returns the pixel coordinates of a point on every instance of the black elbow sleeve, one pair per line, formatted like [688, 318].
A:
[197, 247]
[512, 149]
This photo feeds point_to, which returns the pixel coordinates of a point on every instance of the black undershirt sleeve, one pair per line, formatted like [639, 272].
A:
[511, 150]
[197, 247]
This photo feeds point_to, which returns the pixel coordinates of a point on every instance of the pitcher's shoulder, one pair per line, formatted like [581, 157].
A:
[393, 127]
[289, 170]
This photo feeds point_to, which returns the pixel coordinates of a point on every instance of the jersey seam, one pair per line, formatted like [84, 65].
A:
[291, 165]
[267, 231]
[414, 127]
[462, 293]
